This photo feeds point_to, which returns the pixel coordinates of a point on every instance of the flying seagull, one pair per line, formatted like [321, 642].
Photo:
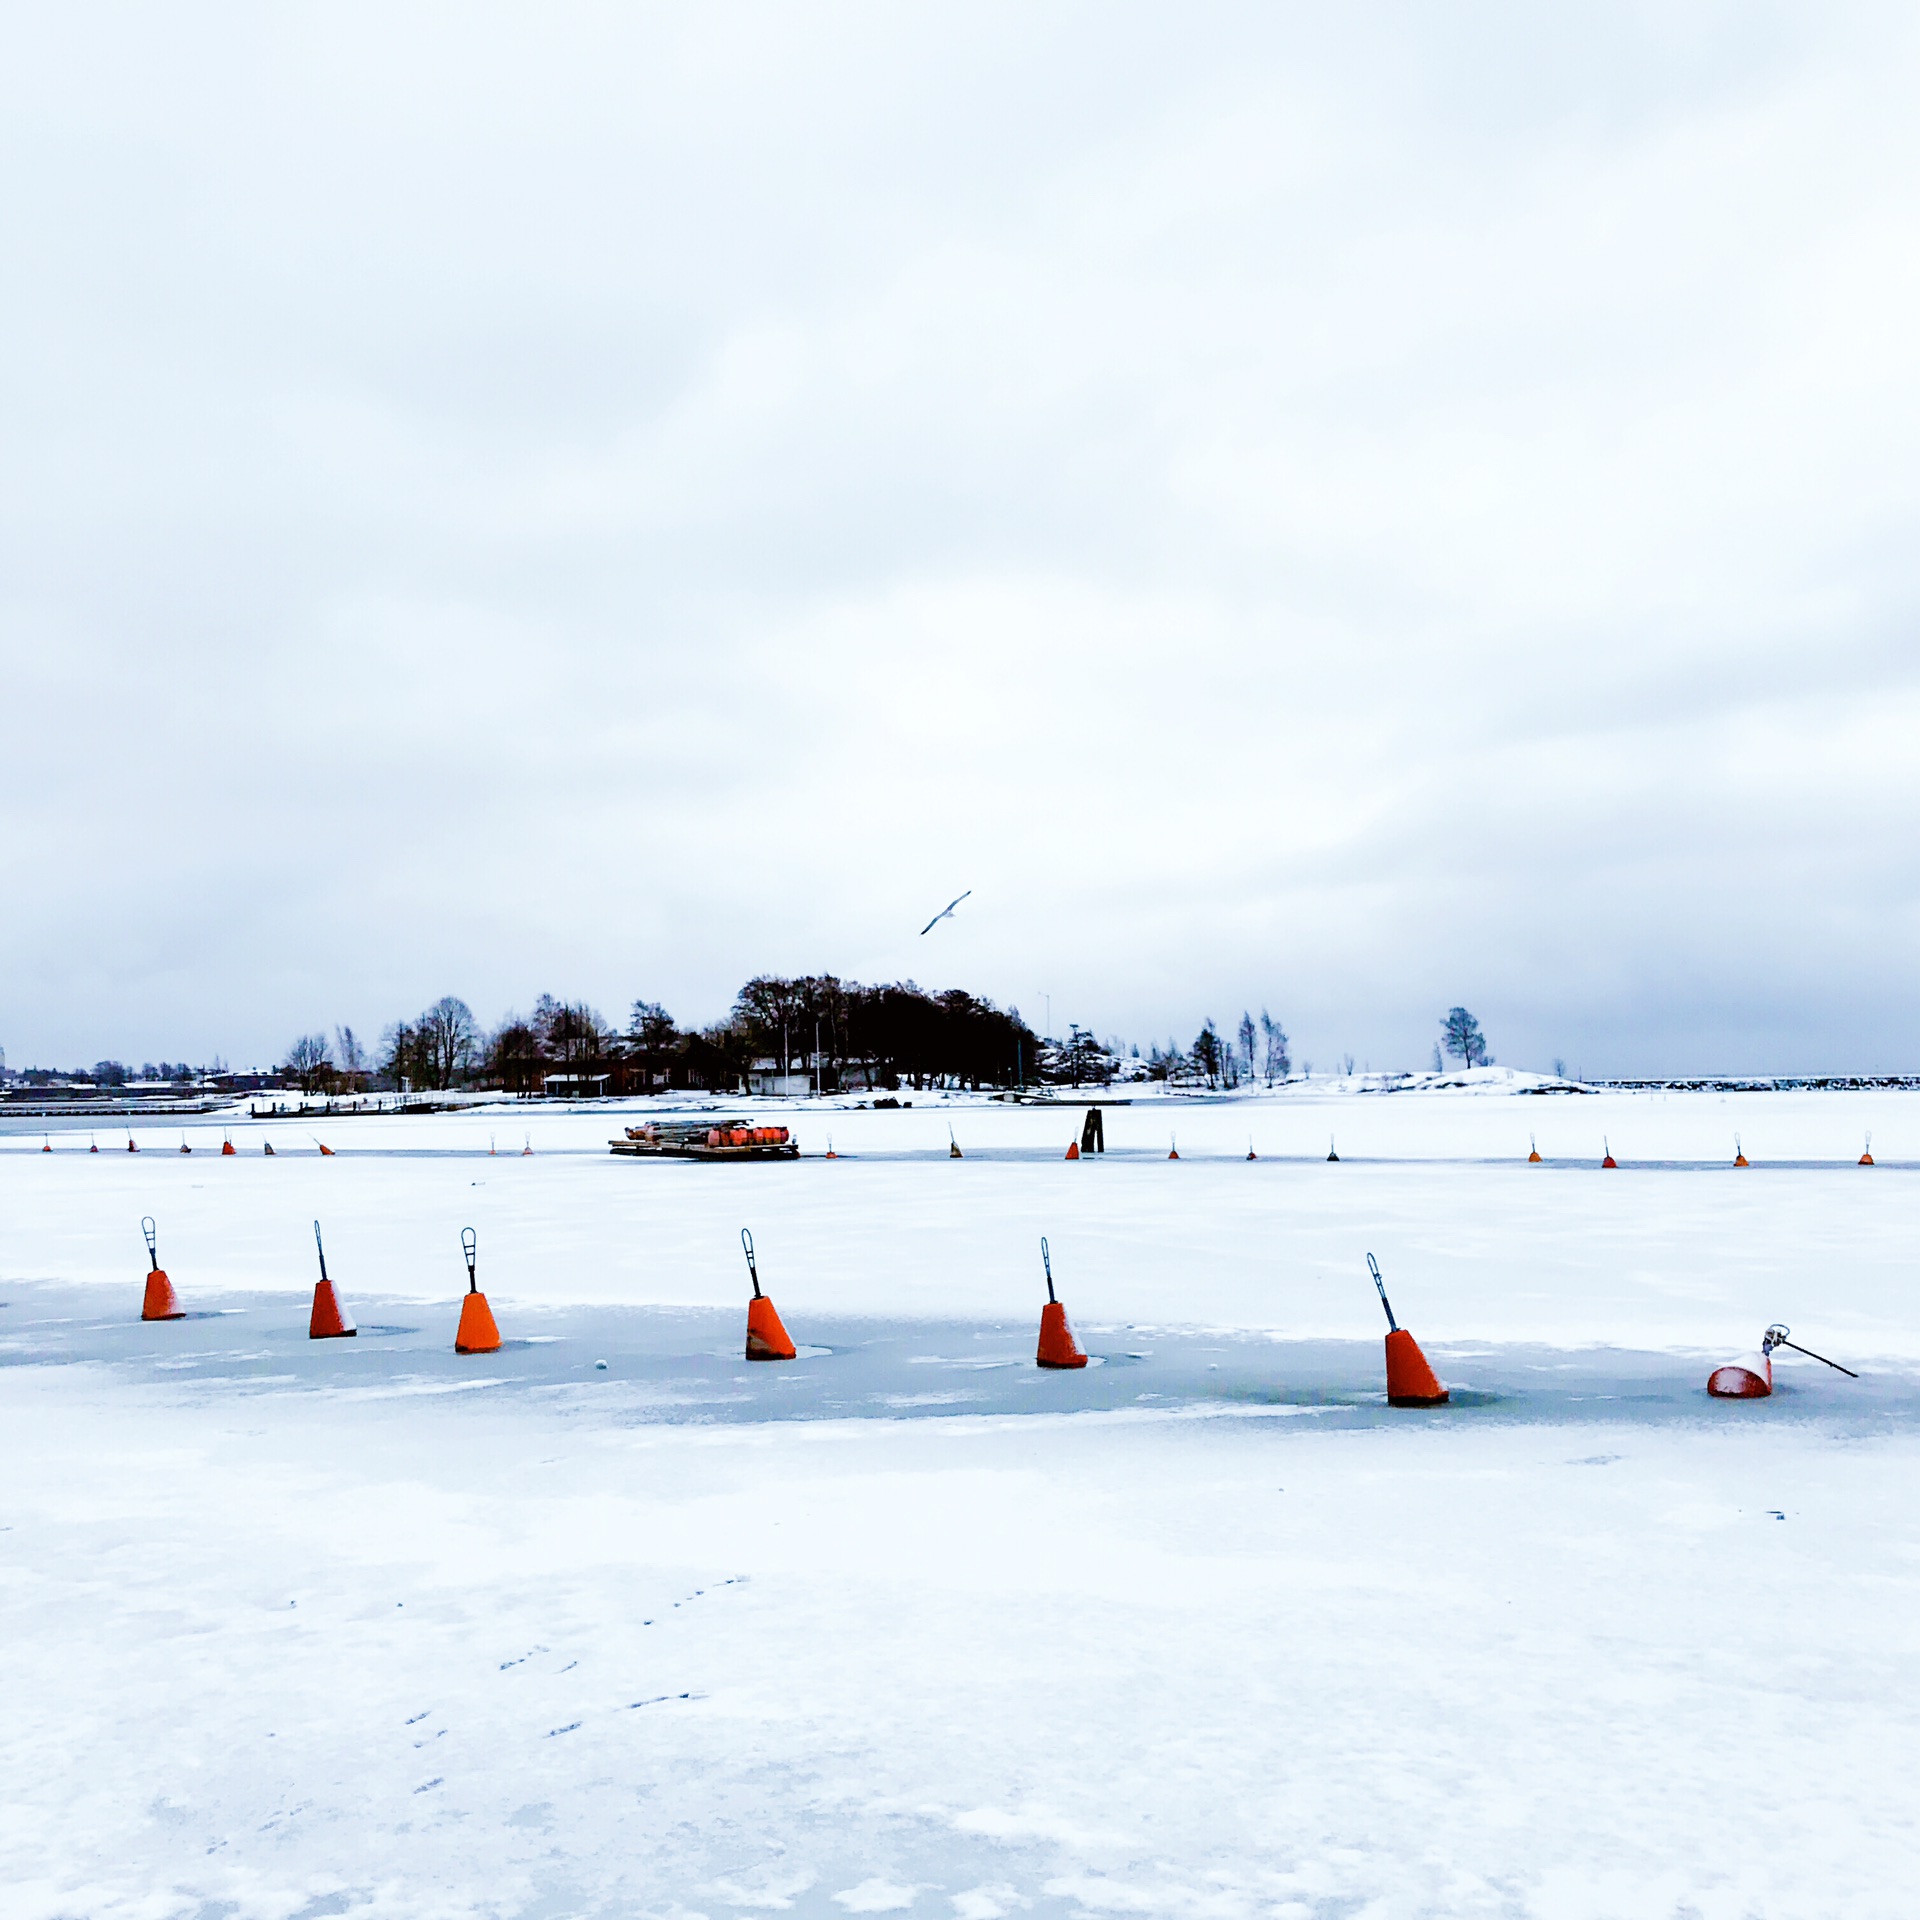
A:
[945, 913]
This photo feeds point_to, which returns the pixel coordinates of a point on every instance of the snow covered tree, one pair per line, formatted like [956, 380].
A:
[1277, 1062]
[1209, 1056]
[1464, 1040]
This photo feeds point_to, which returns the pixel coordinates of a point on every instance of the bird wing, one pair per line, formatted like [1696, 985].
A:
[943, 913]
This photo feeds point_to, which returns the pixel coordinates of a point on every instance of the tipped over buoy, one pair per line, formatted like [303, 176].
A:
[329, 1320]
[1073, 1149]
[1533, 1151]
[1410, 1381]
[322, 1145]
[1866, 1158]
[766, 1337]
[1750, 1377]
[953, 1147]
[1057, 1348]
[161, 1302]
[477, 1332]
[1607, 1159]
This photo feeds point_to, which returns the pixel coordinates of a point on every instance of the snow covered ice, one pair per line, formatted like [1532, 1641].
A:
[364, 1627]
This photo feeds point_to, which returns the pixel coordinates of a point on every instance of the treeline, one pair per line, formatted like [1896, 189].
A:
[816, 1028]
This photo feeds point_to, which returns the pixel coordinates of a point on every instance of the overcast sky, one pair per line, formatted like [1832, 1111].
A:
[1344, 510]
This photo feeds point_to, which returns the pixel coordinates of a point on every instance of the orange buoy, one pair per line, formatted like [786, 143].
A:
[1410, 1381]
[1533, 1151]
[324, 1148]
[831, 1155]
[227, 1146]
[1173, 1149]
[1748, 1378]
[329, 1320]
[131, 1148]
[1251, 1155]
[46, 1143]
[477, 1332]
[1739, 1152]
[94, 1147]
[161, 1303]
[1866, 1159]
[953, 1147]
[1607, 1159]
[1058, 1348]
[267, 1148]
[1073, 1149]
[184, 1148]
[767, 1339]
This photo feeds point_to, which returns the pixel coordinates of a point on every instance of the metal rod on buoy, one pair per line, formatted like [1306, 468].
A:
[322, 1249]
[746, 1240]
[1777, 1337]
[1046, 1260]
[470, 1246]
[147, 1227]
[1373, 1267]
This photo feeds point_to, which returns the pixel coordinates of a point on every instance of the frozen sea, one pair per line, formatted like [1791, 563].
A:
[612, 1623]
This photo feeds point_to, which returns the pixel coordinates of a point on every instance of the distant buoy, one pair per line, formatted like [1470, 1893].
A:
[1073, 1149]
[1739, 1152]
[1607, 1159]
[1331, 1155]
[1173, 1150]
[1533, 1151]
[1866, 1159]
[953, 1147]
[184, 1148]
[227, 1147]
[1251, 1155]
[526, 1152]
[831, 1155]
[267, 1148]
[46, 1143]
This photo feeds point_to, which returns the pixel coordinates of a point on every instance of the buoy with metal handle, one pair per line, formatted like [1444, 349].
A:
[477, 1332]
[329, 1320]
[1410, 1381]
[1058, 1348]
[161, 1302]
[767, 1339]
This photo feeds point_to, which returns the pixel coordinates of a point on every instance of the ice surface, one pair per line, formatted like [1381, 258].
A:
[346, 1627]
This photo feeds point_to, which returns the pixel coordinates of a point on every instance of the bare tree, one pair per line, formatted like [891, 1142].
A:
[449, 1040]
[1246, 1036]
[310, 1061]
[352, 1057]
[1464, 1040]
